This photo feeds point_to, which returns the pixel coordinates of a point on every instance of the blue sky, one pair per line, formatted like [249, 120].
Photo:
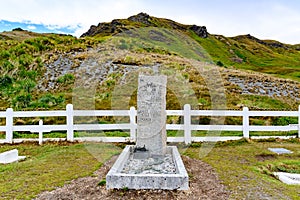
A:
[40, 28]
[265, 19]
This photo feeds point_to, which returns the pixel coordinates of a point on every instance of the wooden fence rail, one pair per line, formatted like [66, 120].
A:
[187, 125]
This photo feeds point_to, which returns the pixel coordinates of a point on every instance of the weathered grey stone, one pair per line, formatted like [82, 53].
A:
[175, 181]
[151, 164]
[141, 155]
[151, 114]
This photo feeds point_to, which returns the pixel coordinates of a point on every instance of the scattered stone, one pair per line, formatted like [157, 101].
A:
[263, 86]
[158, 165]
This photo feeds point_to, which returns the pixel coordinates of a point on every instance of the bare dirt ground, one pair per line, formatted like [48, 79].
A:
[203, 182]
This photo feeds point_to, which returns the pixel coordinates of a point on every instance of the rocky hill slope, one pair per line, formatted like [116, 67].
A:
[46, 71]
[243, 52]
[142, 20]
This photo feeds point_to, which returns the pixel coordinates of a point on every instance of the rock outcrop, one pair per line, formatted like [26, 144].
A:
[142, 20]
[200, 31]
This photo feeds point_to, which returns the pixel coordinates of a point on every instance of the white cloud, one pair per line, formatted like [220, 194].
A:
[31, 27]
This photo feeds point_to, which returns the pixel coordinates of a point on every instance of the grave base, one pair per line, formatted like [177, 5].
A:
[176, 181]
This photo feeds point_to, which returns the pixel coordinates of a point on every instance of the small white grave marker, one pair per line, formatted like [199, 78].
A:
[280, 150]
[10, 156]
[288, 178]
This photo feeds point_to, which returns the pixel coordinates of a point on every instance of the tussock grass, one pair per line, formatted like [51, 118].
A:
[246, 167]
[50, 166]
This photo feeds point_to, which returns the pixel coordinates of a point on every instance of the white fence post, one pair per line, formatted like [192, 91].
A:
[245, 122]
[132, 116]
[187, 124]
[299, 122]
[70, 127]
[9, 125]
[40, 132]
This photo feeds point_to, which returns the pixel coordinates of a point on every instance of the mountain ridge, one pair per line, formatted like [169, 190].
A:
[144, 20]
[141, 20]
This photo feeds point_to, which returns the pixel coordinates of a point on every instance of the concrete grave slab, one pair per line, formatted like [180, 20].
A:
[117, 178]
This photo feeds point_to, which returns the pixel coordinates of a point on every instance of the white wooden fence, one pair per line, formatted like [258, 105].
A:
[187, 126]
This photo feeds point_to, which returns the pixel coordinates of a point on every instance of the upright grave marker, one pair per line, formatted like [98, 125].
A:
[151, 114]
[150, 164]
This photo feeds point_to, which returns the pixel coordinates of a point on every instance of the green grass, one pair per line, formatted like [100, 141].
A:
[240, 133]
[244, 167]
[49, 166]
[22, 63]
[252, 55]
[64, 134]
[170, 133]
[22, 58]
[161, 41]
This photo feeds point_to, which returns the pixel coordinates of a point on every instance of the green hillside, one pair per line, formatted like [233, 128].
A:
[42, 71]
[241, 52]
[23, 55]
[247, 52]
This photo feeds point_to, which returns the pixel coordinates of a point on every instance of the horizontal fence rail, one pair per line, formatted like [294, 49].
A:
[187, 127]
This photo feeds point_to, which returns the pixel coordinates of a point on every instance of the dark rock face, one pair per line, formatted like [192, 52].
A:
[142, 18]
[105, 28]
[117, 25]
[90, 32]
[17, 29]
[201, 31]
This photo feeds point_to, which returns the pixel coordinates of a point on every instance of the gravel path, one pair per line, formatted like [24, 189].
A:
[204, 184]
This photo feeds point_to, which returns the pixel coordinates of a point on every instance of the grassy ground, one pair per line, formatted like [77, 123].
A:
[245, 167]
[170, 133]
[49, 166]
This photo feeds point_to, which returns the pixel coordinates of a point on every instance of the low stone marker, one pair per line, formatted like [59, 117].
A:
[280, 150]
[10, 156]
[288, 178]
[150, 164]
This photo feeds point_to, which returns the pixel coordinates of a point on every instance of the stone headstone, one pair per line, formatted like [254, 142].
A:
[150, 164]
[151, 114]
